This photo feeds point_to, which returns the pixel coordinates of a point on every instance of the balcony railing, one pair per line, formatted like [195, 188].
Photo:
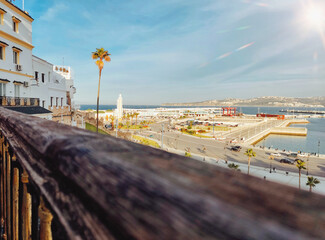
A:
[14, 101]
[60, 182]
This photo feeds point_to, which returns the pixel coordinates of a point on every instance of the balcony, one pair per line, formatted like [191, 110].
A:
[13, 101]
[60, 182]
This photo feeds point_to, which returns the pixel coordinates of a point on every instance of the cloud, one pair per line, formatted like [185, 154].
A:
[53, 12]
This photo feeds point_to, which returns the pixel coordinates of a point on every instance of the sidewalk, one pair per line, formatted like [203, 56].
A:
[291, 179]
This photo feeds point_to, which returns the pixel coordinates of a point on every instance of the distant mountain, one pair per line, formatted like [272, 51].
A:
[260, 101]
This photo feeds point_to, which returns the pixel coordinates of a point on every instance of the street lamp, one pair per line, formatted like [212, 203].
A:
[162, 136]
[271, 158]
[213, 126]
[308, 163]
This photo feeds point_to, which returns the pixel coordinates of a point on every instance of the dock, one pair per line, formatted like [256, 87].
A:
[303, 111]
[283, 129]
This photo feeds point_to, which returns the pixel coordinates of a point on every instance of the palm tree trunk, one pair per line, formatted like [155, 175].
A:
[249, 163]
[100, 75]
[299, 177]
[309, 188]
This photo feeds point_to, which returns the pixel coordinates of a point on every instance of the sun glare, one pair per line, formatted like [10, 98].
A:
[316, 16]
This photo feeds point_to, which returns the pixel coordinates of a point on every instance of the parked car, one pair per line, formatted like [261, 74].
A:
[276, 154]
[235, 149]
[286, 160]
[293, 155]
[238, 147]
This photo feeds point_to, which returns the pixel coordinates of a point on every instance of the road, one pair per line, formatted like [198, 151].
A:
[221, 151]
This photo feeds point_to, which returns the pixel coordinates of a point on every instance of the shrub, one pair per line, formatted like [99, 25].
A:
[202, 131]
[188, 154]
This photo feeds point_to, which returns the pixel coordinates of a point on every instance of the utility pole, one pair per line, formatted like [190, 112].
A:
[213, 125]
[162, 136]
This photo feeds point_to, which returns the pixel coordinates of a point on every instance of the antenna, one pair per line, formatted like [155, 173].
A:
[23, 5]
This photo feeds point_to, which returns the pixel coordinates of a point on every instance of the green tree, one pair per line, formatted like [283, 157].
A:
[233, 166]
[100, 54]
[249, 153]
[311, 182]
[300, 165]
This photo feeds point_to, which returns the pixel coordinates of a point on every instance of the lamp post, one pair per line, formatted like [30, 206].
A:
[213, 126]
[271, 158]
[116, 127]
[308, 163]
[162, 136]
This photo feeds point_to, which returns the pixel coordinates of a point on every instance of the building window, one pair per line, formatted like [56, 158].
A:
[16, 56]
[17, 91]
[2, 89]
[15, 24]
[43, 77]
[62, 102]
[57, 101]
[43, 103]
[2, 13]
[3, 46]
[51, 101]
[2, 49]
[36, 75]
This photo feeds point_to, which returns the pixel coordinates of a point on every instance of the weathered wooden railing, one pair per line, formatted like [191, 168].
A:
[99, 187]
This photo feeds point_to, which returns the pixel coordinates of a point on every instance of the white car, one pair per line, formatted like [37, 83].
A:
[276, 154]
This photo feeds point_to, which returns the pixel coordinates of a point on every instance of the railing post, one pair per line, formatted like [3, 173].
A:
[4, 183]
[26, 208]
[45, 221]
[8, 221]
[2, 177]
[15, 202]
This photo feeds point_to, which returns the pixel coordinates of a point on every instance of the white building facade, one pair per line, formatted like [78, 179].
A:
[15, 51]
[47, 85]
[24, 76]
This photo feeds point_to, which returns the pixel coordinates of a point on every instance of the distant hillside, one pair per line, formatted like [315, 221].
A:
[261, 101]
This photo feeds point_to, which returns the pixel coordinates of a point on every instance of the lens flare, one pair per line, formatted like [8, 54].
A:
[315, 16]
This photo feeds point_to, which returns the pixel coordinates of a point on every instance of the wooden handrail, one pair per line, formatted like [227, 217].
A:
[99, 187]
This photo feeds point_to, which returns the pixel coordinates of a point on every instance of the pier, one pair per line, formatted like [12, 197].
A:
[282, 129]
[302, 111]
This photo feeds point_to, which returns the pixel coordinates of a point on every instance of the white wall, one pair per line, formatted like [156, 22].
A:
[54, 85]
[24, 34]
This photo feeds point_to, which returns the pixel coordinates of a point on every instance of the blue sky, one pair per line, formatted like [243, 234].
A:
[182, 50]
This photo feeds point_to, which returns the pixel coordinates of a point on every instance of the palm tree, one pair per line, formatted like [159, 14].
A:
[249, 153]
[233, 166]
[100, 53]
[300, 165]
[128, 116]
[132, 116]
[112, 121]
[136, 118]
[311, 182]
